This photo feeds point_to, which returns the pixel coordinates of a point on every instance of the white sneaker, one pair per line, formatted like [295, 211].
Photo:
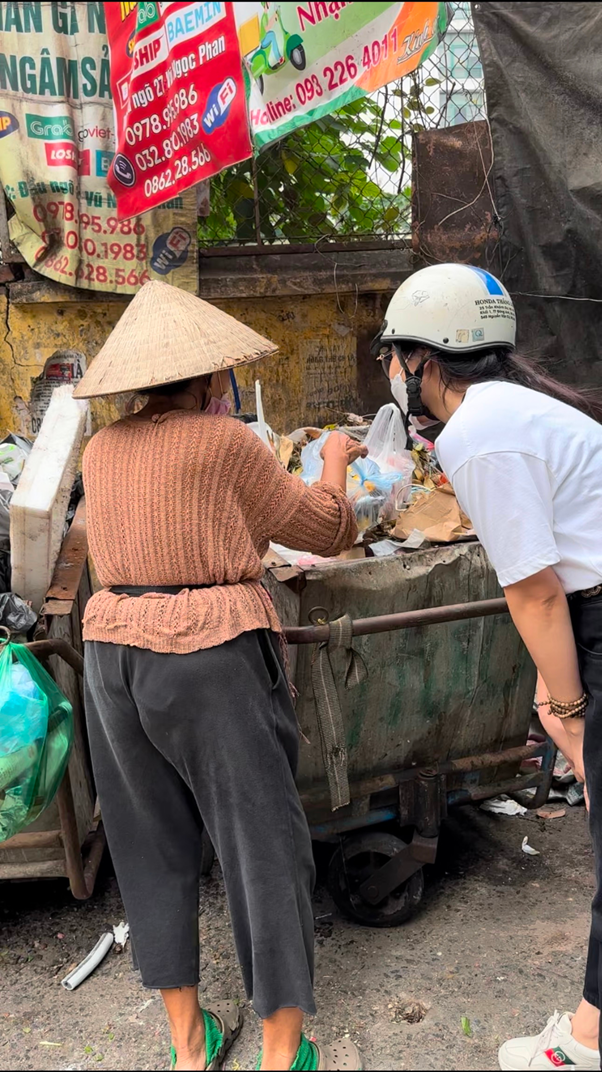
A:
[554, 1048]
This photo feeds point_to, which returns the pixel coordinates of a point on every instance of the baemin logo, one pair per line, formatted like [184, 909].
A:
[123, 170]
[8, 123]
[218, 105]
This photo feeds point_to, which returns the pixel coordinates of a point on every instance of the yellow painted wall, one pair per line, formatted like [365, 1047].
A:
[312, 380]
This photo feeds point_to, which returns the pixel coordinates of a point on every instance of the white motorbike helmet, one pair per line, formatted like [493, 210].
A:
[451, 307]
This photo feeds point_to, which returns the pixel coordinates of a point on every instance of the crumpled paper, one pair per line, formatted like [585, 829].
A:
[437, 515]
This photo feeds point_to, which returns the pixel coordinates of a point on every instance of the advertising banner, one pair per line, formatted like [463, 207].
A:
[180, 99]
[57, 143]
[306, 60]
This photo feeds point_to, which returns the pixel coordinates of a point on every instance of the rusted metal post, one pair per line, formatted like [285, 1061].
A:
[70, 838]
[428, 804]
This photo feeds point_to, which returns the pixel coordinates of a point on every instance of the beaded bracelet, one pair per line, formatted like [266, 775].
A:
[566, 708]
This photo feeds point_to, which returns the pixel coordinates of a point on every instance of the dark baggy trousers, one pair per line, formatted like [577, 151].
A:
[208, 736]
[587, 625]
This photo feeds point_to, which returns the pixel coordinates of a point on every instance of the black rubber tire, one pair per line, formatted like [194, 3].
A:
[298, 58]
[207, 854]
[355, 860]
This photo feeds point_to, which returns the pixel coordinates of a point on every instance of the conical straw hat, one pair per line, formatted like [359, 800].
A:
[167, 334]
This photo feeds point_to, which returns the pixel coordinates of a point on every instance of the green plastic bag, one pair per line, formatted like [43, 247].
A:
[36, 734]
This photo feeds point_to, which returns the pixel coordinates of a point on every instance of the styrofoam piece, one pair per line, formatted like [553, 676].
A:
[39, 505]
[262, 430]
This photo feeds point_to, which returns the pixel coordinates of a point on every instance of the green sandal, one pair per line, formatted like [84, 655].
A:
[223, 1024]
[342, 1056]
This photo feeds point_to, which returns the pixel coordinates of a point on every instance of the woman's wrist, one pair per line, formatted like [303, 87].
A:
[564, 709]
[335, 453]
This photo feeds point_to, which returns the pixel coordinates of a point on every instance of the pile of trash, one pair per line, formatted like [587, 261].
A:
[401, 498]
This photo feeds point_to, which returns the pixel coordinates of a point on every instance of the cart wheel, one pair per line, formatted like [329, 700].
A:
[207, 854]
[354, 861]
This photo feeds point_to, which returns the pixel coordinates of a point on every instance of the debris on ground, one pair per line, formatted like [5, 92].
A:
[551, 813]
[528, 849]
[117, 938]
[503, 806]
[408, 1010]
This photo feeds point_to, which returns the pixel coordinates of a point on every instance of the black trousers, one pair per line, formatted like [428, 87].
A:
[587, 625]
[213, 736]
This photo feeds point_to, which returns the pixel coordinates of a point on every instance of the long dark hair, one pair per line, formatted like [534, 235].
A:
[503, 364]
[176, 387]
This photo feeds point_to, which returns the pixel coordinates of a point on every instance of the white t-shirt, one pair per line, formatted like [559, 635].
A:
[528, 472]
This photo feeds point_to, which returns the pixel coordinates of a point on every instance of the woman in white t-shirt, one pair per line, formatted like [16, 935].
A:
[524, 455]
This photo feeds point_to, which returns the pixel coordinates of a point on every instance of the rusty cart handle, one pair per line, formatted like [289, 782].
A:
[43, 649]
[457, 612]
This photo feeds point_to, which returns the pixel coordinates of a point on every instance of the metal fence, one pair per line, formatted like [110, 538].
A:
[347, 177]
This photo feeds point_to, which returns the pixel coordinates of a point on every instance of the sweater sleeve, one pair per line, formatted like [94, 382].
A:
[279, 506]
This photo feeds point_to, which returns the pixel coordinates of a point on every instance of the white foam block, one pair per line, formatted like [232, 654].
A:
[39, 504]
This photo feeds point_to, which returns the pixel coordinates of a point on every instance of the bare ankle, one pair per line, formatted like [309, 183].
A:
[590, 1041]
[277, 1059]
[585, 1025]
[281, 1039]
[192, 1054]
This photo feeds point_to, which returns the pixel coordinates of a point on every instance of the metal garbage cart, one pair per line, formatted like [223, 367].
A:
[439, 715]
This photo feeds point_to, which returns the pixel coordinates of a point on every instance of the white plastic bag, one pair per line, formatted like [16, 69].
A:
[312, 463]
[386, 440]
[12, 460]
[372, 492]
[386, 443]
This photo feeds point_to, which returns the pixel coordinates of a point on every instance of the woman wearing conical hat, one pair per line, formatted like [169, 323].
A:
[188, 706]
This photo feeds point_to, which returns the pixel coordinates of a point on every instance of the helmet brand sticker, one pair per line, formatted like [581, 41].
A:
[478, 334]
[492, 284]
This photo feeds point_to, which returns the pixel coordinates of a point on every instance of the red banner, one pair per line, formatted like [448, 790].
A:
[179, 97]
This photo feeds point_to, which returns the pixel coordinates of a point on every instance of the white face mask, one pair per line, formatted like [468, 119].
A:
[422, 423]
[400, 393]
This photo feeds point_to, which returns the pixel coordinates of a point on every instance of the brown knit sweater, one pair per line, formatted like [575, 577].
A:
[189, 498]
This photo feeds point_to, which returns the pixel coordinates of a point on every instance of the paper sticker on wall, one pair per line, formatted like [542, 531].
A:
[62, 367]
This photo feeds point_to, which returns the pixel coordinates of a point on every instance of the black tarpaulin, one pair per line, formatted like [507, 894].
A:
[543, 79]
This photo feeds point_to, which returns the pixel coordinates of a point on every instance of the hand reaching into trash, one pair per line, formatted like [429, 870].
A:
[338, 443]
[338, 452]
